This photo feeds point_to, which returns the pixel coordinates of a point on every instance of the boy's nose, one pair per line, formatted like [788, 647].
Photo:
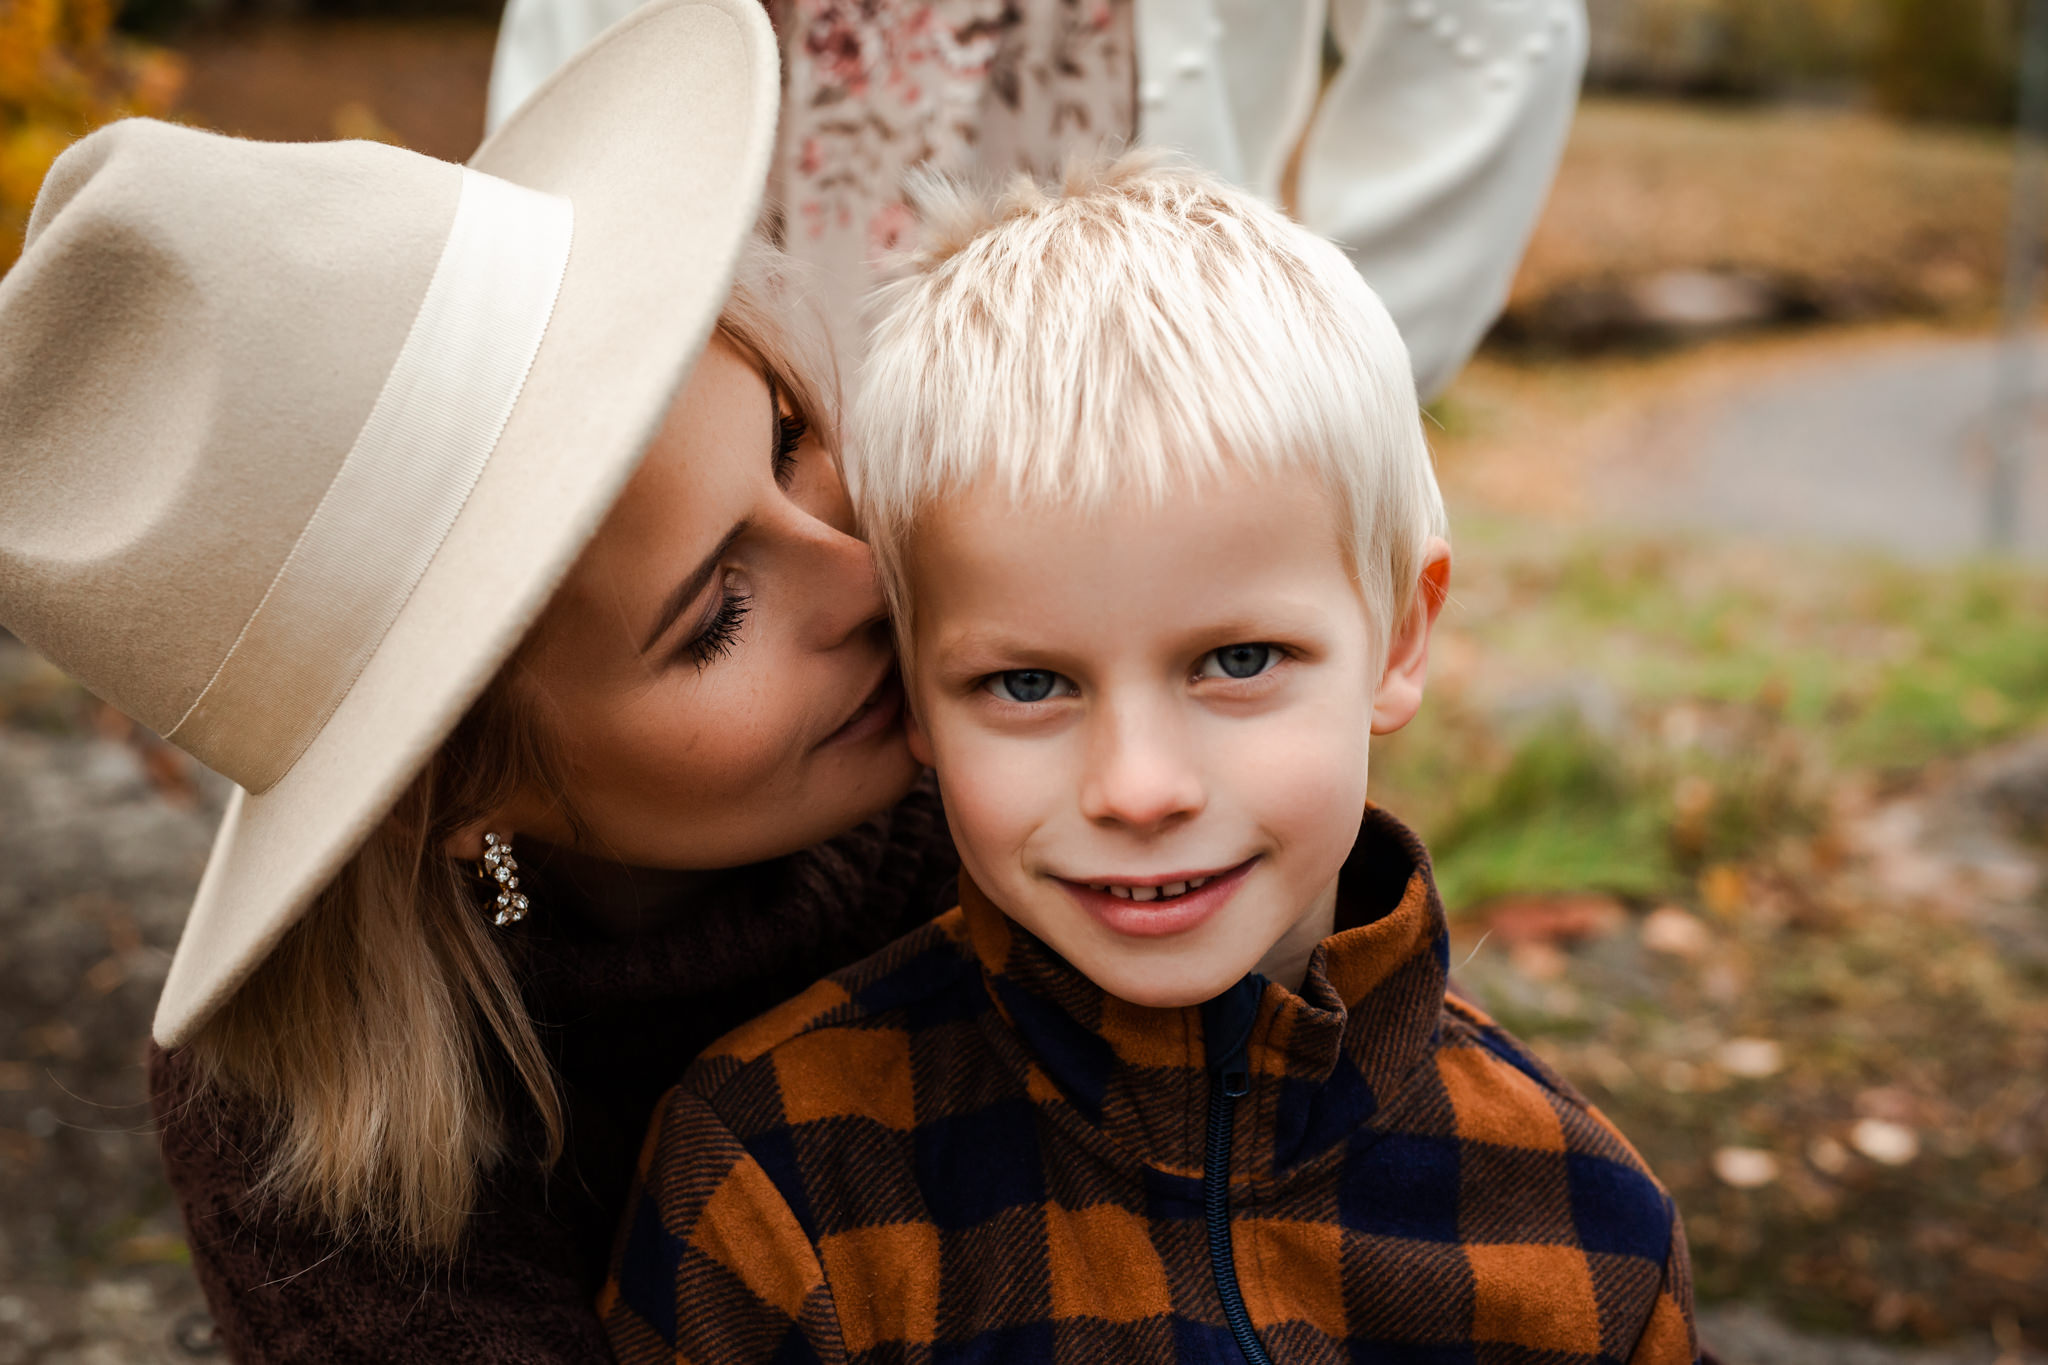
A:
[1139, 777]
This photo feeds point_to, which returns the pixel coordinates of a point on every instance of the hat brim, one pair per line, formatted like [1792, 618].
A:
[660, 134]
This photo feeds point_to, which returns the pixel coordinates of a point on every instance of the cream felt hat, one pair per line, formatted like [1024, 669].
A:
[296, 440]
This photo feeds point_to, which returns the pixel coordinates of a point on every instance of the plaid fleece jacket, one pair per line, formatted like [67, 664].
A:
[962, 1150]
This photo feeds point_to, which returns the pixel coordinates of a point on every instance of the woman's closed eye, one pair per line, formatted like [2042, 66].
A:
[1028, 685]
[1238, 662]
[790, 430]
[715, 638]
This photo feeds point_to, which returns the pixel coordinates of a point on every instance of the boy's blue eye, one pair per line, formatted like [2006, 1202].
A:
[1243, 661]
[1024, 684]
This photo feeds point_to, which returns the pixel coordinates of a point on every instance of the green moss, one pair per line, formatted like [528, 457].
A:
[1564, 814]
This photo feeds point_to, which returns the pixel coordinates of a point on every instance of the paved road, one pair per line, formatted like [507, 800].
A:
[1886, 447]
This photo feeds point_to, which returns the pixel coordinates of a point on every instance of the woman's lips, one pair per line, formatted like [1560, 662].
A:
[1158, 918]
[873, 716]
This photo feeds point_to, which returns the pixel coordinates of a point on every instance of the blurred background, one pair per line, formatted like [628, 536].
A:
[1736, 766]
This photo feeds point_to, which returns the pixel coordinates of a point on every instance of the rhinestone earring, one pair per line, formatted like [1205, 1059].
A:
[500, 866]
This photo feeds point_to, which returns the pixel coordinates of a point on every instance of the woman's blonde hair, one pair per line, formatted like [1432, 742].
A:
[385, 1042]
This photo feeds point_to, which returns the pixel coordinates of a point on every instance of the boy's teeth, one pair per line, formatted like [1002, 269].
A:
[1153, 893]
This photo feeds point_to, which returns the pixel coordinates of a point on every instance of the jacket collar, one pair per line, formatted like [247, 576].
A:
[1322, 1061]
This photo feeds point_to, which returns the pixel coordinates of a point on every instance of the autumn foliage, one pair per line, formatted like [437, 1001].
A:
[64, 71]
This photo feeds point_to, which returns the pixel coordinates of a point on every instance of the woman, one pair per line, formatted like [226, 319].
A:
[1420, 135]
[464, 520]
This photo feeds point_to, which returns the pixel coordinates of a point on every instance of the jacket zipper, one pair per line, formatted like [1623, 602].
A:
[1226, 1035]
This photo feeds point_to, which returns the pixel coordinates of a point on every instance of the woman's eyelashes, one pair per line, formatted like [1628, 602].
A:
[790, 430]
[716, 637]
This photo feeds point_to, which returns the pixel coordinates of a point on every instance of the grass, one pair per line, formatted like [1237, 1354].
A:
[1619, 716]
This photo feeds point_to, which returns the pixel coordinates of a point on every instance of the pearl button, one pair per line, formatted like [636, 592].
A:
[1447, 27]
[1470, 49]
[1191, 63]
[1421, 11]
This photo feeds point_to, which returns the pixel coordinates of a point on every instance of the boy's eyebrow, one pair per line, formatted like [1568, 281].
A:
[974, 640]
[1280, 618]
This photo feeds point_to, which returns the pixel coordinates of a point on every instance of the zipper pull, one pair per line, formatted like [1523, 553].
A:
[1227, 1034]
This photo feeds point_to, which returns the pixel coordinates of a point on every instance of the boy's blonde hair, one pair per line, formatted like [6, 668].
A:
[1142, 328]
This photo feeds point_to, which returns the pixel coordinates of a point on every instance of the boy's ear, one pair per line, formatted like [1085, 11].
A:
[1400, 691]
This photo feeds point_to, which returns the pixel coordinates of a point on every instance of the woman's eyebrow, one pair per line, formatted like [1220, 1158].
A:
[687, 590]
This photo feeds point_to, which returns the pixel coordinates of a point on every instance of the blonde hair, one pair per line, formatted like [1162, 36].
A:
[1140, 328]
[385, 1042]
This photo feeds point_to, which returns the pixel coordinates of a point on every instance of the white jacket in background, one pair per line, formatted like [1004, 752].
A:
[1427, 159]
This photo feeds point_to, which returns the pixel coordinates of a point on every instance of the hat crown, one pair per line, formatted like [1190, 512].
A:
[195, 333]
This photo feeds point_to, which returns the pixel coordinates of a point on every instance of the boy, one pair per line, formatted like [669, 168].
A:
[1179, 1080]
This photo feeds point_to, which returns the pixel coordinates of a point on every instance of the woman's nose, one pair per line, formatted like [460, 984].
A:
[849, 597]
[1140, 775]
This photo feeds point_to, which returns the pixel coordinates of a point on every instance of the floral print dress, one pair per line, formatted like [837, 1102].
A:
[1419, 135]
[876, 88]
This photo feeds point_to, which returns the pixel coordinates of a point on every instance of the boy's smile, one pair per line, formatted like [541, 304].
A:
[1151, 725]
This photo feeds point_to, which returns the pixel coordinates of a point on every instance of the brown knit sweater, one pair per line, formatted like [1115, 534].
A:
[621, 1018]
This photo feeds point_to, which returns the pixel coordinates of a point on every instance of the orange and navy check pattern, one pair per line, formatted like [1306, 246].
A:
[961, 1150]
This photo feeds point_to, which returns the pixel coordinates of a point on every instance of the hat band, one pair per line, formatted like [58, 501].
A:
[398, 491]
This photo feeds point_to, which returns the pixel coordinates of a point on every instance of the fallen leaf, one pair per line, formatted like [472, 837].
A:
[57, 1039]
[1724, 890]
[1751, 1058]
[1887, 1102]
[106, 976]
[1538, 961]
[2016, 1266]
[1745, 1168]
[1828, 1156]
[1885, 1142]
[1675, 933]
[1552, 919]
[151, 1248]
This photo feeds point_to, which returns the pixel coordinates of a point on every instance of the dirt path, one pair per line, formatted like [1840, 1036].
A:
[1871, 437]
[1887, 448]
